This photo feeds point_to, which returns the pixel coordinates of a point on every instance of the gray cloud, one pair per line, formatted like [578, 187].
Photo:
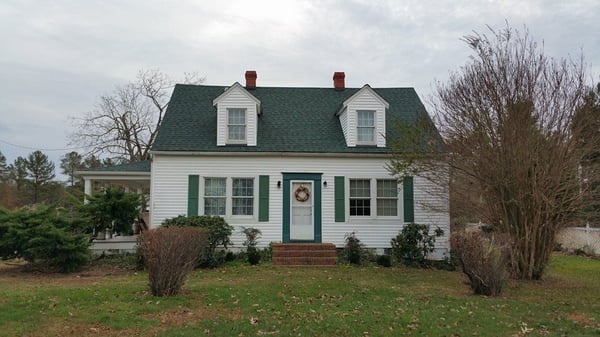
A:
[58, 56]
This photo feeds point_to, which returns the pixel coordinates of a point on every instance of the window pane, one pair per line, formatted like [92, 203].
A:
[360, 188]
[236, 124]
[214, 206]
[387, 207]
[360, 207]
[366, 118]
[243, 187]
[242, 206]
[242, 193]
[237, 116]
[387, 188]
[387, 197]
[214, 187]
[237, 132]
[365, 134]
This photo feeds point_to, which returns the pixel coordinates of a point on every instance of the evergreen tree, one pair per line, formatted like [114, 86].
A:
[40, 170]
[17, 173]
[3, 168]
[70, 163]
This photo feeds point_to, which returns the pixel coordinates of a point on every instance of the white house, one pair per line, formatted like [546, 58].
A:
[300, 164]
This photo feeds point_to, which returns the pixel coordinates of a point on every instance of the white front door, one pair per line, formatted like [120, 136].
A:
[301, 219]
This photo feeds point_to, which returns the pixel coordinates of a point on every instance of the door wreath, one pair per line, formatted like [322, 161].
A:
[302, 193]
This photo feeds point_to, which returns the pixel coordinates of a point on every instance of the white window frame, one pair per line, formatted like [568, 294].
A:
[251, 197]
[378, 198]
[229, 196]
[205, 196]
[373, 127]
[373, 199]
[370, 198]
[245, 125]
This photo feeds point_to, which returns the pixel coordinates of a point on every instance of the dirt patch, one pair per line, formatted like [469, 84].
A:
[186, 317]
[22, 271]
[584, 320]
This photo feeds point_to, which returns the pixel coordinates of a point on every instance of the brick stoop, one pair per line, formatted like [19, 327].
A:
[304, 254]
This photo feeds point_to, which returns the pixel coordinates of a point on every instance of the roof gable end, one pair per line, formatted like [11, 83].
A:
[365, 89]
[235, 87]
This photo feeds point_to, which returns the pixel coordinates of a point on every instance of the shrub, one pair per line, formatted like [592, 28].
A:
[114, 209]
[413, 243]
[384, 261]
[353, 248]
[484, 259]
[43, 235]
[170, 254]
[218, 232]
[252, 235]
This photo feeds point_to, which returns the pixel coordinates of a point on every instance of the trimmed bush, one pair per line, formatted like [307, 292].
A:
[353, 248]
[170, 254]
[218, 232]
[484, 258]
[252, 235]
[384, 261]
[413, 243]
[114, 209]
[43, 236]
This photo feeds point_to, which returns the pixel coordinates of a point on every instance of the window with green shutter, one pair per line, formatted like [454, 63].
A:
[340, 202]
[409, 202]
[193, 190]
[263, 198]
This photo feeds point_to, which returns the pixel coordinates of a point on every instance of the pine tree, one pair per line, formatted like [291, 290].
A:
[40, 170]
[70, 163]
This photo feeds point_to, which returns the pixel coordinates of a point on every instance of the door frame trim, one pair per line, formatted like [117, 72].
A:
[317, 204]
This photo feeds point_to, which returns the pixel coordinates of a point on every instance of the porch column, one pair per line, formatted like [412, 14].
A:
[87, 189]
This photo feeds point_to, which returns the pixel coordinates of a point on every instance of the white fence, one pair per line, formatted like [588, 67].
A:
[573, 238]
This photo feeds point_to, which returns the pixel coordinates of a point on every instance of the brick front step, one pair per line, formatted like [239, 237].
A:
[304, 254]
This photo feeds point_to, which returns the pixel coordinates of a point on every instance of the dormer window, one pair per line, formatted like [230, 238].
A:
[236, 125]
[365, 132]
[362, 117]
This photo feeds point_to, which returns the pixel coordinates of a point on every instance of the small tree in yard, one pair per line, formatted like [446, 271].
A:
[170, 254]
[413, 243]
[508, 121]
[484, 259]
[252, 235]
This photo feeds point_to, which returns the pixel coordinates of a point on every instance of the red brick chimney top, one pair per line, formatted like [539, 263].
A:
[338, 80]
[251, 79]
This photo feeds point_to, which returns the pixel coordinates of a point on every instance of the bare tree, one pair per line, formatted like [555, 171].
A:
[125, 122]
[507, 119]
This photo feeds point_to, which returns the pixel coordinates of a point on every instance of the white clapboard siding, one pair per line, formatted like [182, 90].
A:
[170, 190]
[237, 98]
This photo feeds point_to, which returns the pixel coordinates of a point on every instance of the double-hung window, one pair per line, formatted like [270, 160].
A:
[387, 197]
[236, 125]
[215, 196]
[373, 196]
[365, 127]
[360, 197]
[242, 196]
[228, 196]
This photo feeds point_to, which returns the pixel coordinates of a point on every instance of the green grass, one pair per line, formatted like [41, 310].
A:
[274, 301]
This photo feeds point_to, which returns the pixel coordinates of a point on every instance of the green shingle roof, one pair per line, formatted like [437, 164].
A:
[140, 166]
[291, 119]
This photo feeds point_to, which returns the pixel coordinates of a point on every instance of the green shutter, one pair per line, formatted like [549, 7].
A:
[193, 189]
[409, 200]
[340, 199]
[263, 198]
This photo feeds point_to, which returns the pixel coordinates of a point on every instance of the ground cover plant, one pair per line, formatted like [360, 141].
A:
[263, 300]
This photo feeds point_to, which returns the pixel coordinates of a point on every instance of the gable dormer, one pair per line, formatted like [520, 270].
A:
[237, 116]
[362, 117]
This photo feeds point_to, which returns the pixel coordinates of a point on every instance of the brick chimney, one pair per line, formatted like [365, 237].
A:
[250, 79]
[338, 81]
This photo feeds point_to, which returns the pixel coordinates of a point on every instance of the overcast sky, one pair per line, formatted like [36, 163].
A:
[57, 57]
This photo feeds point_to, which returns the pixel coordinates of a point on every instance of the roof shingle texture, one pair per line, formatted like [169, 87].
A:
[291, 119]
